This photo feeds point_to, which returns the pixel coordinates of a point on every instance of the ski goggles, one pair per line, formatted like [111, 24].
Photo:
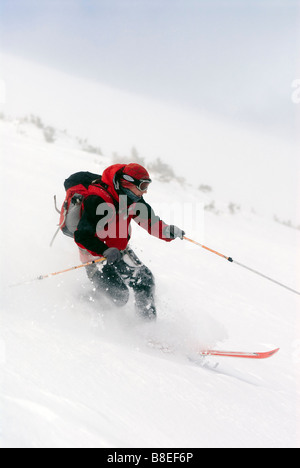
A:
[141, 184]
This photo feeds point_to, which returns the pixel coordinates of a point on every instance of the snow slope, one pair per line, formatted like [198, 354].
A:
[76, 373]
[241, 164]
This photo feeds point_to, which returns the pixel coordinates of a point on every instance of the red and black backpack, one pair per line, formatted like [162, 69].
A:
[76, 187]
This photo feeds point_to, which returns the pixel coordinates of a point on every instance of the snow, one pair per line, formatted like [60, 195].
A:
[242, 164]
[77, 373]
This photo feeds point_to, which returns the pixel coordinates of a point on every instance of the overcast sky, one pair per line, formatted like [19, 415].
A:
[232, 58]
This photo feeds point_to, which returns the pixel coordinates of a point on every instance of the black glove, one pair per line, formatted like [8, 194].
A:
[112, 255]
[172, 232]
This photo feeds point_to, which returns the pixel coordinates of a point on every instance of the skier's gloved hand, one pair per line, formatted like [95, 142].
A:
[172, 232]
[112, 255]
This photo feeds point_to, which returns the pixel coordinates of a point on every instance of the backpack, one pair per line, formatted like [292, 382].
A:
[76, 186]
[77, 189]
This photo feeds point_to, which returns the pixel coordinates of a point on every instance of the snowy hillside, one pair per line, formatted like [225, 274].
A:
[76, 373]
[243, 165]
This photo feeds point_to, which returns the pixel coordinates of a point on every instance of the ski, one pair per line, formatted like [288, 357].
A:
[166, 348]
[237, 354]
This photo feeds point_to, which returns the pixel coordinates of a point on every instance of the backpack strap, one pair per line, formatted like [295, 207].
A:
[101, 191]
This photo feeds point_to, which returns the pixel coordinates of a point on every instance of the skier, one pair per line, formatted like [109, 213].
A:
[104, 231]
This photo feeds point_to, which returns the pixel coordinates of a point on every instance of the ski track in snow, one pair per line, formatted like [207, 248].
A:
[77, 373]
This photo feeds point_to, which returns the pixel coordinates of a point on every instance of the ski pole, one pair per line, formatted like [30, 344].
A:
[41, 277]
[241, 265]
[207, 248]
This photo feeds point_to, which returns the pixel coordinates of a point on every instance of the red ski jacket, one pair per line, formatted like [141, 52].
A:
[106, 217]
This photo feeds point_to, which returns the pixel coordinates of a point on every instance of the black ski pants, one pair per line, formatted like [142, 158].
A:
[115, 280]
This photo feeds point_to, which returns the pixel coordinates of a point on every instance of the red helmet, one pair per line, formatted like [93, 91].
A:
[137, 175]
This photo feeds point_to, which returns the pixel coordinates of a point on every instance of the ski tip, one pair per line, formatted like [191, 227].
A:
[236, 354]
[267, 354]
[271, 353]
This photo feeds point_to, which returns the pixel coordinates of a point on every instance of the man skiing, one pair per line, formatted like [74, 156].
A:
[104, 231]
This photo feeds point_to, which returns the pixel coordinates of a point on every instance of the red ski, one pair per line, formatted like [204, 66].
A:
[237, 354]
